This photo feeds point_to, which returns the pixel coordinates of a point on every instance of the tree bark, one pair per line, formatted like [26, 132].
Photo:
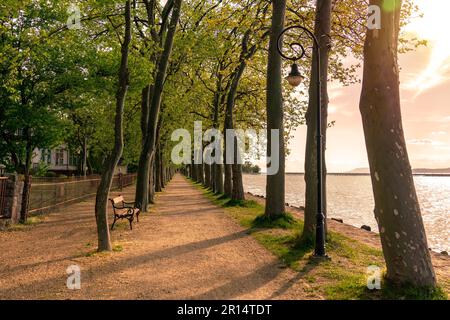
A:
[194, 172]
[237, 187]
[322, 31]
[397, 209]
[151, 181]
[201, 174]
[155, 105]
[216, 168]
[84, 169]
[101, 201]
[158, 184]
[219, 178]
[142, 195]
[162, 167]
[228, 173]
[145, 110]
[27, 178]
[189, 171]
[207, 175]
[275, 194]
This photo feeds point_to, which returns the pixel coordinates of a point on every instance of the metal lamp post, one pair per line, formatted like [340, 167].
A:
[295, 78]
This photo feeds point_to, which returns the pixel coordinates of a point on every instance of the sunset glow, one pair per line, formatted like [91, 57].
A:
[430, 28]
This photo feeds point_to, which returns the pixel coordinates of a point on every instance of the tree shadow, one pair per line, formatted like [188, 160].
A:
[132, 262]
[242, 285]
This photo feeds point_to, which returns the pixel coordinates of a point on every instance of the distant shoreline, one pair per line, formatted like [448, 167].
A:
[362, 174]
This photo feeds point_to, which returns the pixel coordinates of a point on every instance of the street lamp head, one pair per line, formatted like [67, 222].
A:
[294, 78]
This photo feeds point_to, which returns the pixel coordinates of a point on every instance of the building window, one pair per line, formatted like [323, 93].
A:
[59, 157]
[73, 159]
[46, 156]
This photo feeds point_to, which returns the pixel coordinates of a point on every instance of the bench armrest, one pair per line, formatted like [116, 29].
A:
[128, 204]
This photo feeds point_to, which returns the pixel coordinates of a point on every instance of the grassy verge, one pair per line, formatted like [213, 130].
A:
[344, 276]
[116, 247]
[31, 222]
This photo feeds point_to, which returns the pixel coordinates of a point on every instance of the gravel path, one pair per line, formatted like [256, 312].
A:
[185, 248]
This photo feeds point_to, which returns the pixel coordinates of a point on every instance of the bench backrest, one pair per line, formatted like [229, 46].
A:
[117, 200]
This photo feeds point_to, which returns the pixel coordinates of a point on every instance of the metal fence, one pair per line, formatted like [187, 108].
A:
[49, 193]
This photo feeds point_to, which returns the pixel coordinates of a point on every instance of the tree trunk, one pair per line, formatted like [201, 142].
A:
[216, 170]
[84, 169]
[211, 177]
[142, 195]
[397, 208]
[322, 31]
[194, 172]
[151, 181]
[228, 171]
[275, 183]
[158, 184]
[101, 201]
[27, 178]
[201, 174]
[90, 168]
[189, 171]
[155, 105]
[238, 186]
[207, 175]
[162, 168]
[167, 175]
[219, 178]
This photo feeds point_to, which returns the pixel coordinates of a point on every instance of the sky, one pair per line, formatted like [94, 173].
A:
[425, 95]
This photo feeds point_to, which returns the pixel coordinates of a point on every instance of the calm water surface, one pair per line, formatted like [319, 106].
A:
[350, 198]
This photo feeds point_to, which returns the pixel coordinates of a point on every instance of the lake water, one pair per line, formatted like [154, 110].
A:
[350, 198]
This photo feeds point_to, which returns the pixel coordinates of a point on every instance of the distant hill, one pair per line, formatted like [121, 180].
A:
[431, 171]
[415, 171]
[359, 171]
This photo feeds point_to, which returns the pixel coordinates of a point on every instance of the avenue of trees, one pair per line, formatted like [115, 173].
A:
[119, 79]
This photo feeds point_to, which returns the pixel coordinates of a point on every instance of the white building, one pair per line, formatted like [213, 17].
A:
[59, 160]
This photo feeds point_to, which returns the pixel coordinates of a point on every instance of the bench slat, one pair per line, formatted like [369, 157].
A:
[118, 199]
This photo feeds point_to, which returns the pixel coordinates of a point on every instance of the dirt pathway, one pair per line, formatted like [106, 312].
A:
[186, 248]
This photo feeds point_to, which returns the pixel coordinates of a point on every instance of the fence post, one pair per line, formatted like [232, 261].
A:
[27, 200]
[11, 200]
[120, 181]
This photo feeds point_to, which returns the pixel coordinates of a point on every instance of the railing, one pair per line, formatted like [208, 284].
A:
[49, 193]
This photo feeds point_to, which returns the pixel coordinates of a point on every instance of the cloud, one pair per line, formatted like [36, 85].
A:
[444, 119]
[420, 141]
[424, 142]
[439, 133]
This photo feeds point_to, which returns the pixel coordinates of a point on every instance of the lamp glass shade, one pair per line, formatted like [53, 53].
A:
[294, 78]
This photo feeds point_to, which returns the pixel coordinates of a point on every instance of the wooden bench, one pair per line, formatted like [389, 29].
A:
[124, 210]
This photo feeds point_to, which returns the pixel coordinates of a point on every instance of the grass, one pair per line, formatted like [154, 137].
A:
[31, 222]
[117, 248]
[94, 253]
[343, 277]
